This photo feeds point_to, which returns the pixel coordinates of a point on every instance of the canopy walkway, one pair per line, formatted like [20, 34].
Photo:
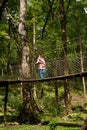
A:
[55, 69]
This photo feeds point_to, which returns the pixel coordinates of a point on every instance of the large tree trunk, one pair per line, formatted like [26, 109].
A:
[28, 114]
[64, 51]
[30, 108]
[25, 43]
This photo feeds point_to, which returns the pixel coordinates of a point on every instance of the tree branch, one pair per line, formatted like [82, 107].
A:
[47, 17]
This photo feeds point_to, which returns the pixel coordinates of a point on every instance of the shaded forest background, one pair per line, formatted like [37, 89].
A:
[54, 28]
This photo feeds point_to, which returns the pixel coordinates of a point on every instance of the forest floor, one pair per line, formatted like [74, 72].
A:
[68, 122]
[79, 99]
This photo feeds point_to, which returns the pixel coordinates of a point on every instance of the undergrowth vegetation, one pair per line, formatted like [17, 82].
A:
[52, 116]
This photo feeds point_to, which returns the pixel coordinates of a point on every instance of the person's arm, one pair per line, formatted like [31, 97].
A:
[37, 60]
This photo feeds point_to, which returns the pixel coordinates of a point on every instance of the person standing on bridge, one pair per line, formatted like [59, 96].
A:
[41, 66]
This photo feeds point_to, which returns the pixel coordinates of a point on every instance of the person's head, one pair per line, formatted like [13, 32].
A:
[40, 54]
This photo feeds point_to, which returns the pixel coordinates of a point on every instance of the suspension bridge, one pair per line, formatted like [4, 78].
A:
[55, 69]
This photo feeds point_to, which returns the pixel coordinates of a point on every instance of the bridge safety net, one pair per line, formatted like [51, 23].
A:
[54, 68]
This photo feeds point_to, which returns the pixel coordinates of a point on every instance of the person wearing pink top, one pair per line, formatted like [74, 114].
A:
[41, 66]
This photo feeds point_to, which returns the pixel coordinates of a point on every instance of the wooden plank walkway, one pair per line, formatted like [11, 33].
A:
[4, 82]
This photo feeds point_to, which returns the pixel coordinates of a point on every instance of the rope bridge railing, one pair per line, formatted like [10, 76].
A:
[63, 67]
[54, 68]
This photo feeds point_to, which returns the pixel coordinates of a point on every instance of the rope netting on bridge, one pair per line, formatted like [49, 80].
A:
[54, 68]
[73, 63]
[63, 67]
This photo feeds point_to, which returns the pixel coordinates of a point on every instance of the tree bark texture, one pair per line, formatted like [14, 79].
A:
[30, 108]
[82, 66]
[64, 52]
[28, 114]
[24, 40]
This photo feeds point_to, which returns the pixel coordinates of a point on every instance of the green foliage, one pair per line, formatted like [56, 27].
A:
[15, 102]
[50, 45]
[1, 105]
[13, 5]
[33, 127]
[3, 36]
[52, 126]
[51, 106]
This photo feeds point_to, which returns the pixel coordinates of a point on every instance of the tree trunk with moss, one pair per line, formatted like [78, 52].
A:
[30, 108]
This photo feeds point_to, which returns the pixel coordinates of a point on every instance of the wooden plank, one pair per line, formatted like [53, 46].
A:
[3, 82]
